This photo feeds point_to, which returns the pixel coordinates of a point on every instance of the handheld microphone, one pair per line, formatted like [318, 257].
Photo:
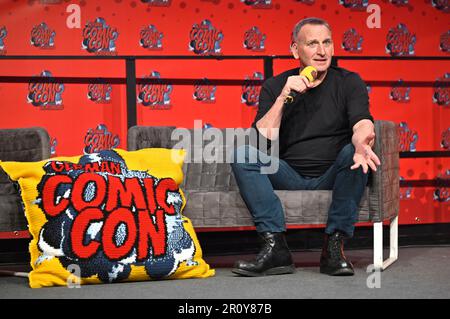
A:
[310, 73]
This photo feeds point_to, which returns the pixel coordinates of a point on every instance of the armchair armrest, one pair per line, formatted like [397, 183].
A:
[149, 136]
[384, 189]
[24, 144]
[21, 145]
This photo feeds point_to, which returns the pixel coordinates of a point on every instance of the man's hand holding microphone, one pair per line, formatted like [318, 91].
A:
[297, 84]
[269, 124]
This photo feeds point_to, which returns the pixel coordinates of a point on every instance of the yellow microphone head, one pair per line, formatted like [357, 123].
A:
[310, 73]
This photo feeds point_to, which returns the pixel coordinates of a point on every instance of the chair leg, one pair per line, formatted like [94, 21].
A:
[14, 273]
[378, 261]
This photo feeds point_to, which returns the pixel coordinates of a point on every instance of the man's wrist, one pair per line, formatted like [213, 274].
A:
[358, 143]
[280, 99]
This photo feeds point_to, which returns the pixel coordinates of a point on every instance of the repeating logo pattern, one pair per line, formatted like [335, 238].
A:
[155, 94]
[3, 34]
[260, 4]
[254, 39]
[400, 41]
[45, 93]
[400, 92]
[441, 95]
[205, 39]
[151, 38]
[355, 4]
[99, 92]
[399, 3]
[352, 41]
[99, 139]
[405, 192]
[53, 144]
[158, 3]
[204, 91]
[444, 43]
[251, 89]
[42, 36]
[441, 5]
[445, 139]
[407, 138]
[99, 38]
[442, 194]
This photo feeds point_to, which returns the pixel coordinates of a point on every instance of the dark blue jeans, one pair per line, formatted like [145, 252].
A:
[257, 190]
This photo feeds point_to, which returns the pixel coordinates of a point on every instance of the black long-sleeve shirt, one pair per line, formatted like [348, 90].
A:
[318, 124]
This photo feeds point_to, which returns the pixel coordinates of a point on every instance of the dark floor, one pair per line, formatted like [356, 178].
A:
[420, 272]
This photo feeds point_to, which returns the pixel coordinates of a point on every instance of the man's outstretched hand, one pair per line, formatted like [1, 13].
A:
[364, 155]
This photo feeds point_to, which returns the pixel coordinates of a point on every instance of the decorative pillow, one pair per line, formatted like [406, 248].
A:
[108, 217]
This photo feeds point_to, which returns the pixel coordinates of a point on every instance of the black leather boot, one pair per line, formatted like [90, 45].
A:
[273, 259]
[332, 260]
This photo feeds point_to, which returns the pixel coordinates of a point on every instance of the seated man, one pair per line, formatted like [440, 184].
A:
[325, 143]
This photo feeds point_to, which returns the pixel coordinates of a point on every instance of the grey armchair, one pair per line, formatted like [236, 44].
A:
[213, 198]
[22, 145]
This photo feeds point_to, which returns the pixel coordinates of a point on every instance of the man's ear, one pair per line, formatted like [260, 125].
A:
[294, 50]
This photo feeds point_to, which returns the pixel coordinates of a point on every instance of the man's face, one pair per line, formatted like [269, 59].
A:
[314, 46]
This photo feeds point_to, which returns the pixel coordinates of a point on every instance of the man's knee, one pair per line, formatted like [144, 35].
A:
[345, 156]
[245, 154]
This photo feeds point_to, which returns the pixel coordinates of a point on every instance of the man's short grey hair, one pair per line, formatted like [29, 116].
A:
[301, 23]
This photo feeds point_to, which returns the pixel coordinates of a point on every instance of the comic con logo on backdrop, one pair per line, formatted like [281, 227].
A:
[400, 41]
[3, 34]
[99, 92]
[254, 39]
[355, 4]
[399, 3]
[204, 39]
[42, 36]
[445, 139]
[151, 38]
[444, 43]
[53, 144]
[99, 139]
[352, 41]
[259, 4]
[400, 92]
[156, 93]
[251, 89]
[45, 92]
[407, 138]
[442, 193]
[204, 91]
[405, 192]
[157, 3]
[441, 95]
[442, 5]
[99, 38]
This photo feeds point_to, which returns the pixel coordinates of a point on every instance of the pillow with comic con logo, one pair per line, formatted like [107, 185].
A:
[108, 217]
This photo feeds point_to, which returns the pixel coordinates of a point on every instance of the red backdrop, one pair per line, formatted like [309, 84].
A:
[231, 27]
